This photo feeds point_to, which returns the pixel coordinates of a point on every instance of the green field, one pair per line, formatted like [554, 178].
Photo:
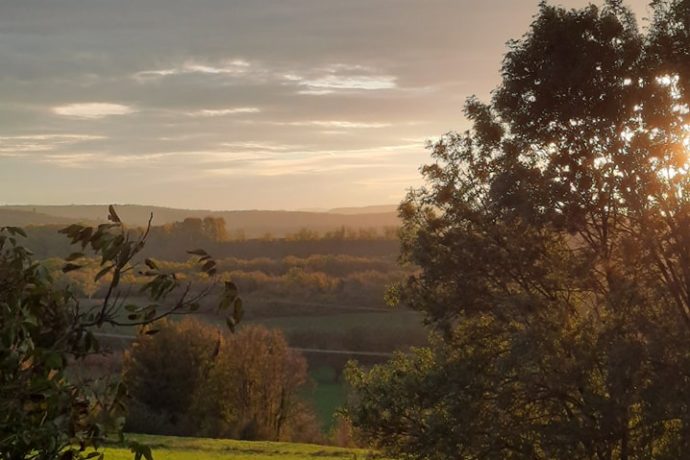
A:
[175, 448]
[327, 397]
[395, 320]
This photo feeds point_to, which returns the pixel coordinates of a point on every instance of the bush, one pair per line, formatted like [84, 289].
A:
[189, 379]
[162, 372]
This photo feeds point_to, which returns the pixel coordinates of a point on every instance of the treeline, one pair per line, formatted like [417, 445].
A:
[215, 229]
[327, 279]
[192, 379]
[170, 241]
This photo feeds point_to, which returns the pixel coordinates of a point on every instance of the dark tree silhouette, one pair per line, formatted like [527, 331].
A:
[554, 248]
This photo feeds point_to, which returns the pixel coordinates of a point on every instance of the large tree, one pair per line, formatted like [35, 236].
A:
[554, 252]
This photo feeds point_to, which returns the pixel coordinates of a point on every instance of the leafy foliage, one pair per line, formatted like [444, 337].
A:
[44, 328]
[554, 249]
[194, 380]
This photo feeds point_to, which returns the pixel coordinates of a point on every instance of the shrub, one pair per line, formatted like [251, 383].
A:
[189, 379]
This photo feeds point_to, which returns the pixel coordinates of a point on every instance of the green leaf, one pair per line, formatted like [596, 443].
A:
[70, 267]
[208, 266]
[231, 289]
[74, 256]
[16, 231]
[112, 215]
[116, 279]
[225, 303]
[238, 310]
[102, 273]
[71, 230]
[54, 360]
[151, 264]
[140, 450]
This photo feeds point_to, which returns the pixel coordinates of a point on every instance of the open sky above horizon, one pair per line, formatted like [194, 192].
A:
[221, 104]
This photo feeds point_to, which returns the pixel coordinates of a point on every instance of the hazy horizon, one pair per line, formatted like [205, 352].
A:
[238, 105]
[148, 205]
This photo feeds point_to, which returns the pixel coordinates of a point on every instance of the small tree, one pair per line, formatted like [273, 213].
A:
[164, 371]
[252, 392]
[192, 380]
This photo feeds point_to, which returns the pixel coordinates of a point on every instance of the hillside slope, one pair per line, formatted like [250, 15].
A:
[24, 218]
[254, 222]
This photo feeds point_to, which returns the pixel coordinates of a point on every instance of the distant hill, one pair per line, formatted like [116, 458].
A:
[254, 223]
[21, 218]
[380, 209]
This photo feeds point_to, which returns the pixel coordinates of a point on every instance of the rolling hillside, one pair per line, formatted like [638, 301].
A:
[254, 222]
[26, 217]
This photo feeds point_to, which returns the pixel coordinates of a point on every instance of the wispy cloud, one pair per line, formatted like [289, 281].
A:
[311, 81]
[340, 77]
[333, 83]
[262, 146]
[92, 110]
[334, 124]
[223, 112]
[227, 159]
[233, 67]
[305, 161]
[35, 143]
[81, 160]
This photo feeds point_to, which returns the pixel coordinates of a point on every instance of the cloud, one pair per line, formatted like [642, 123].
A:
[340, 77]
[22, 145]
[261, 146]
[317, 81]
[334, 124]
[332, 83]
[92, 110]
[71, 160]
[288, 161]
[233, 67]
[223, 112]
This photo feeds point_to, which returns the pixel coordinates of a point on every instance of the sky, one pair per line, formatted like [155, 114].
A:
[239, 104]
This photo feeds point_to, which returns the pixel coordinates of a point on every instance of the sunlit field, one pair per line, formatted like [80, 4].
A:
[175, 448]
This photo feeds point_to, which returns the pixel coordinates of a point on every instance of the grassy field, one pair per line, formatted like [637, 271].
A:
[175, 448]
[330, 322]
[395, 320]
[327, 396]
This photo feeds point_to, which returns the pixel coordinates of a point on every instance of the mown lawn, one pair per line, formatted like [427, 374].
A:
[176, 448]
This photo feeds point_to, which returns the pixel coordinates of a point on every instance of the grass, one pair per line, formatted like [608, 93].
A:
[331, 322]
[327, 396]
[338, 322]
[177, 448]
